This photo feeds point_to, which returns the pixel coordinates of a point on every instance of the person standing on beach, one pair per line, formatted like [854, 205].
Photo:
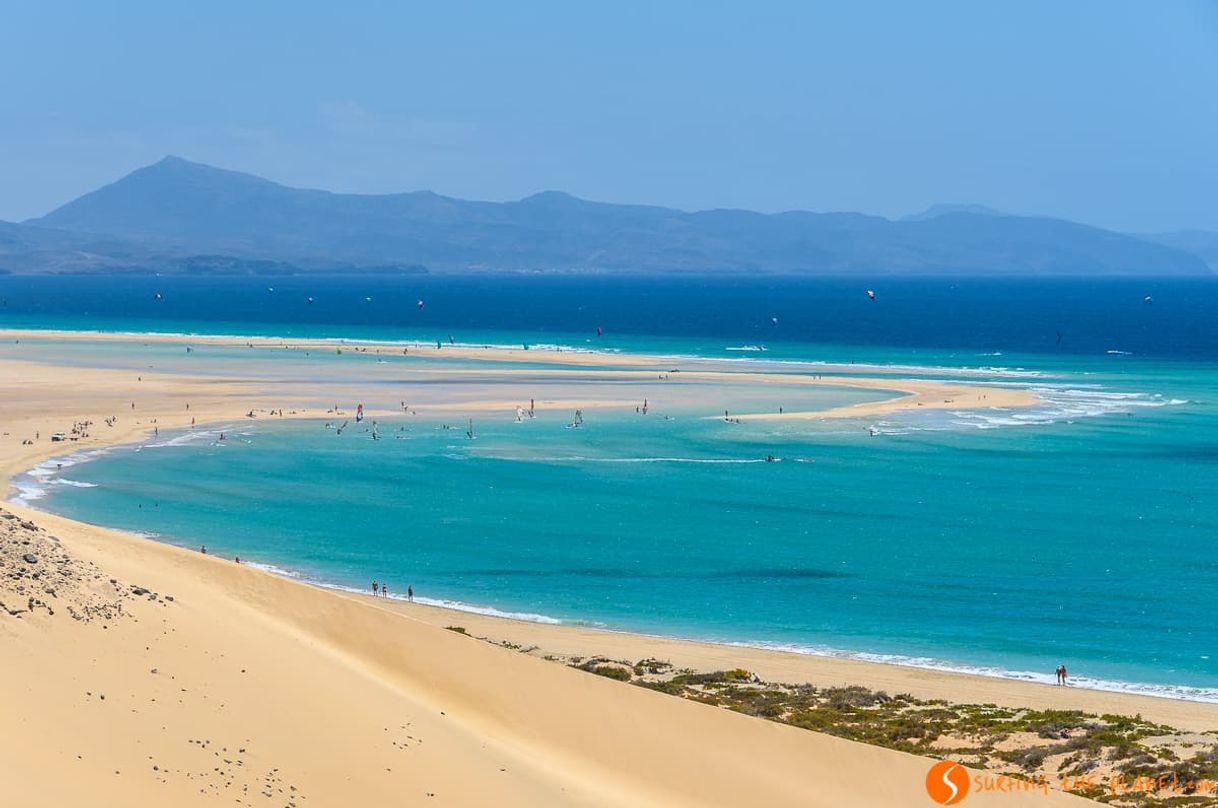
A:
[1063, 669]
[410, 593]
[384, 590]
[375, 587]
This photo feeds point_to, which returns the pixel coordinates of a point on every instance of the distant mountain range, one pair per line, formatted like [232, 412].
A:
[183, 217]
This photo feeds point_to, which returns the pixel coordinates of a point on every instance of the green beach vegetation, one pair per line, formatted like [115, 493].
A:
[1113, 759]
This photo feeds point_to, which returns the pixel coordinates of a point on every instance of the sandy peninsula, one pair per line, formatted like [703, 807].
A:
[137, 673]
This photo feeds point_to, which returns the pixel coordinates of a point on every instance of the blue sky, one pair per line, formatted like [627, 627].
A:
[1102, 112]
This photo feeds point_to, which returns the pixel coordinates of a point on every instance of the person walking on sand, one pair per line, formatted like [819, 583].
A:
[410, 593]
[1063, 669]
[375, 588]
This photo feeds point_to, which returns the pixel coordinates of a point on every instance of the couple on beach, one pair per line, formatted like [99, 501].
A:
[1061, 674]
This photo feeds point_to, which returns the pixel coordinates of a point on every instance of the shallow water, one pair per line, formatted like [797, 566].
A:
[1087, 539]
[1078, 531]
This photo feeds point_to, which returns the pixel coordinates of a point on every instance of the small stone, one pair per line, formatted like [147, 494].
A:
[30, 558]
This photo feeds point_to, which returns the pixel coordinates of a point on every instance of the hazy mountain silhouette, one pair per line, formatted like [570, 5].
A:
[941, 209]
[1201, 243]
[164, 213]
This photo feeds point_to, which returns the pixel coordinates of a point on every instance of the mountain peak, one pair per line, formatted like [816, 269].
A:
[943, 209]
[143, 202]
[551, 198]
[172, 165]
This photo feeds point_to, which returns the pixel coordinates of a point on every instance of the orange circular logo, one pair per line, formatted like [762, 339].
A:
[947, 782]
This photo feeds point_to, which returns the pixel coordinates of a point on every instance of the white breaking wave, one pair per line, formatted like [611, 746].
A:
[580, 459]
[454, 605]
[34, 484]
[1055, 403]
[271, 568]
[1060, 403]
[186, 438]
[73, 483]
[1181, 692]
[486, 610]
[27, 494]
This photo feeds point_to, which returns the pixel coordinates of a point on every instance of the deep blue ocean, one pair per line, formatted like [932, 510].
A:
[1079, 531]
[1050, 317]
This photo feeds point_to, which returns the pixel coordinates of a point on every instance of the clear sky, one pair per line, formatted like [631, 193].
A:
[1100, 111]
